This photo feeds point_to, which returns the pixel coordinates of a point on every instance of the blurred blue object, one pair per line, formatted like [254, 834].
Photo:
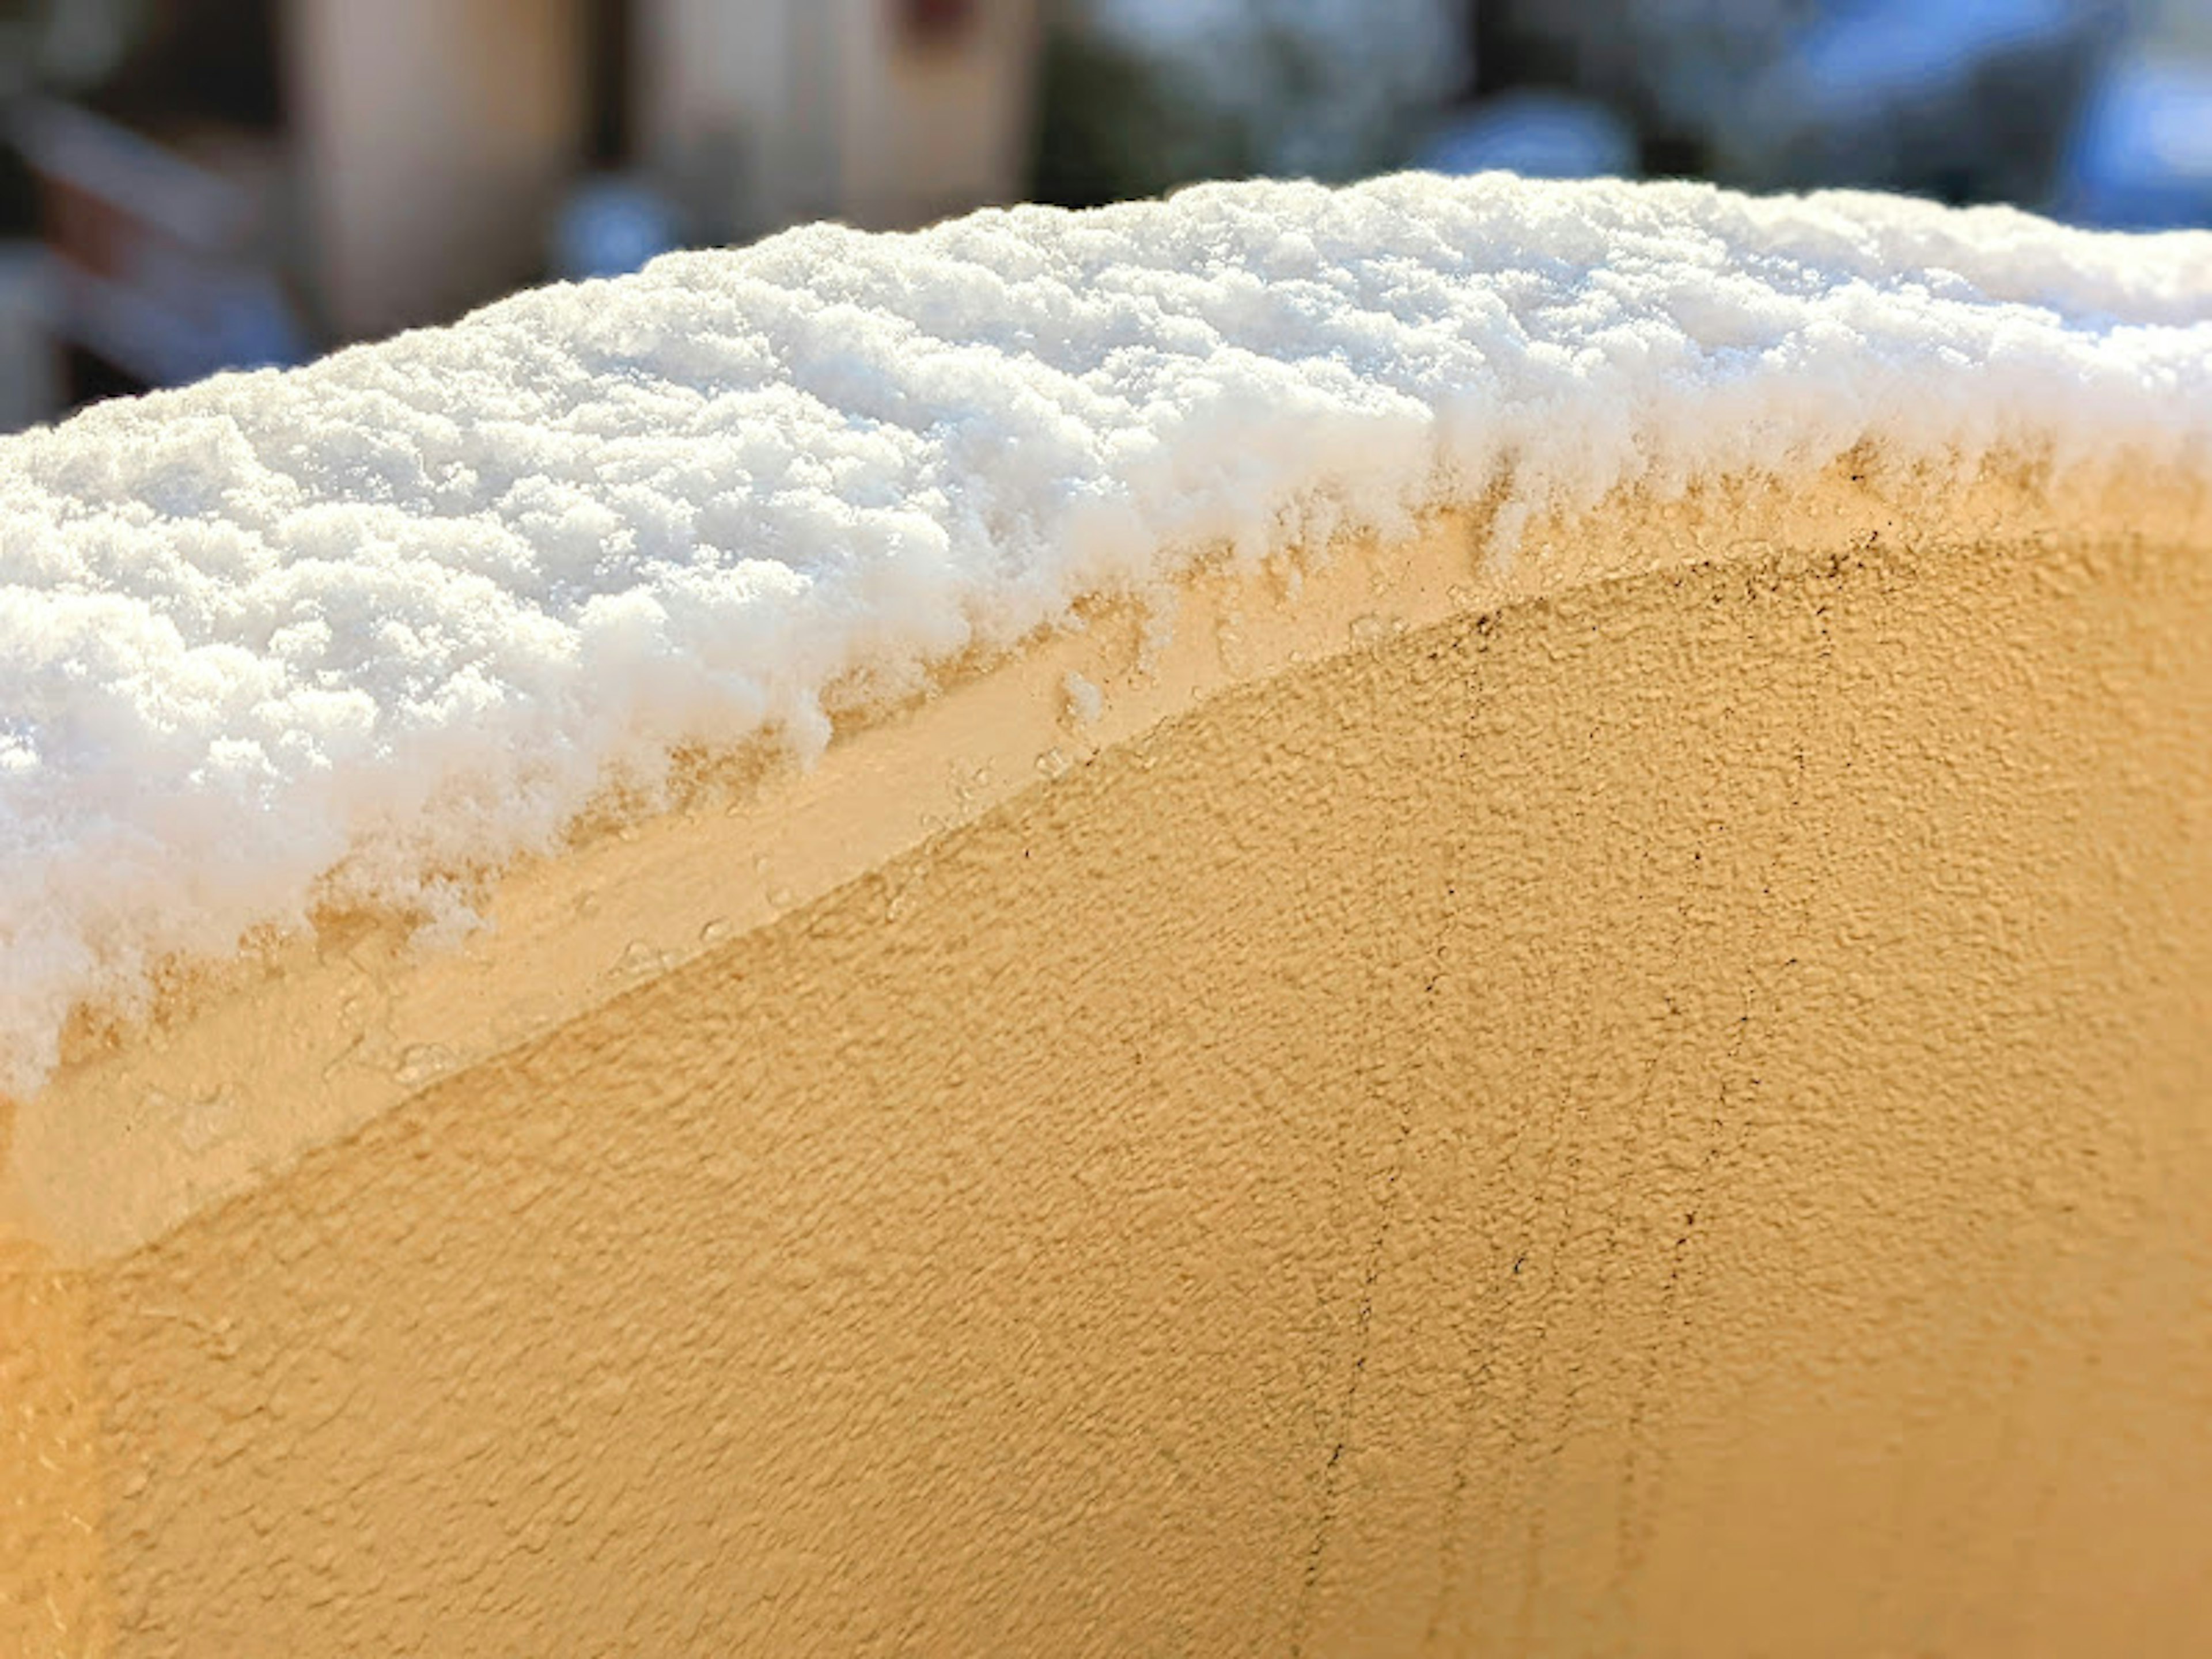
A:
[1538, 135]
[2142, 157]
[611, 226]
[159, 261]
[1867, 57]
[1967, 99]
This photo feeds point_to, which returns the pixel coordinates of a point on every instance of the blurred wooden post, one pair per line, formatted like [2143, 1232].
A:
[436, 137]
[877, 112]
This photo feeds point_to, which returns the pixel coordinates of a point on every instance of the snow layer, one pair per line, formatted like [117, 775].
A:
[334, 635]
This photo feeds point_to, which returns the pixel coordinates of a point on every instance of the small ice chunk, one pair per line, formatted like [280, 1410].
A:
[1085, 701]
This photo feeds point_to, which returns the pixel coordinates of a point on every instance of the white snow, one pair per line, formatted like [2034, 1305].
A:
[1085, 701]
[339, 633]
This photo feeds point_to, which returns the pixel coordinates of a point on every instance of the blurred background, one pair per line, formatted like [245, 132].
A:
[187, 186]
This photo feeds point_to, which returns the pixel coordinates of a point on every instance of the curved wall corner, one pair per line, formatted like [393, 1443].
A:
[1671, 1115]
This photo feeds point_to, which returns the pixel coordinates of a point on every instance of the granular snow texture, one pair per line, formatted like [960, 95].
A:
[339, 633]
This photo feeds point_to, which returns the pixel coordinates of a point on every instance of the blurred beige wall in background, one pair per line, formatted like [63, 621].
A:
[437, 136]
[835, 109]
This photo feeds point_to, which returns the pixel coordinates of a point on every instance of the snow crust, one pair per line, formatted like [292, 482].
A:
[340, 634]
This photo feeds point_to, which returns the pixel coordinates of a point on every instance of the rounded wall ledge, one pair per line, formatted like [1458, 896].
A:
[1459, 917]
[1444, 1115]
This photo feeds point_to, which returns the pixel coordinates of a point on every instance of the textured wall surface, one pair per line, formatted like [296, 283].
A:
[1672, 1118]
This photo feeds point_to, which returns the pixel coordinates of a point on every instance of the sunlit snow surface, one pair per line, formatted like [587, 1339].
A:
[322, 636]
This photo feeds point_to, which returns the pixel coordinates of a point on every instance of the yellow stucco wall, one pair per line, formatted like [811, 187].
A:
[1672, 1114]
